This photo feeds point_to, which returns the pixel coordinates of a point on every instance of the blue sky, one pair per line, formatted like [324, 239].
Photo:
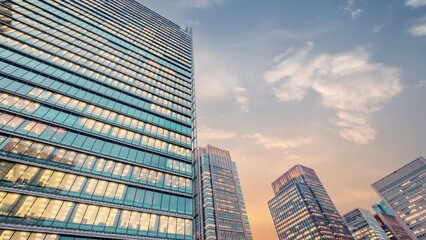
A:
[339, 86]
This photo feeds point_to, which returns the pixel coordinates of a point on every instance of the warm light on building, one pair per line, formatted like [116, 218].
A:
[405, 193]
[363, 225]
[302, 209]
[96, 122]
[222, 213]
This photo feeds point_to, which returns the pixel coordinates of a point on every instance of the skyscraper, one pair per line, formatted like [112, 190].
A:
[363, 225]
[404, 192]
[392, 227]
[383, 208]
[222, 213]
[96, 121]
[302, 209]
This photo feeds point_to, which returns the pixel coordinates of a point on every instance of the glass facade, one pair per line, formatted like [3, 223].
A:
[96, 121]
[383, 208]
[302, 209]
[221, 210]
[404, 192]
[21, 235]
[363, 225]
[391, 226]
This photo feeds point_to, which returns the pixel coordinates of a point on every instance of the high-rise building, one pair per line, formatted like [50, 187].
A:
[222, 213]
[302, 209]
[383, 208]
[363, 225]
[404, 192]
[96, 121]
[392, 228]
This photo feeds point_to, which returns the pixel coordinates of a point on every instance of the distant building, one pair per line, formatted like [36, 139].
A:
[404, 191]
[383, 208]
[302, 209]
[221, 212]
[392, 228]
[363, 225]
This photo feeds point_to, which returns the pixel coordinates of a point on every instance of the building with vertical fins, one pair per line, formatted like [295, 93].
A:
[96, 121]
[222, 213]
[392, 228]
[404, 192]
[387, 221]
[363, 225]
[301, 208]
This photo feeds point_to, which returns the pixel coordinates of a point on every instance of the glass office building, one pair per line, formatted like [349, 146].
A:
[404, 192]
[363, 225]
[391, 226]
[301, 208]
[96, 121]
[383, 208]
[222, 213]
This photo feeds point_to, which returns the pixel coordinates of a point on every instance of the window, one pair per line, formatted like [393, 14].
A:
[79, 211]
[10, 122]
[37, 208]
[144, 224]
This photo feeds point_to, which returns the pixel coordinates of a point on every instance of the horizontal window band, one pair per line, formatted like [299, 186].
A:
[91, 175]
[73, 232]
[78, 150]
[91, 202]
[104, 139]
[82, 114]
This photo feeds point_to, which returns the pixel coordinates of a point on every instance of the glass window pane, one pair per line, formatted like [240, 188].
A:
[124, 220]
[79, 210]
[144, 225]
[90, 215]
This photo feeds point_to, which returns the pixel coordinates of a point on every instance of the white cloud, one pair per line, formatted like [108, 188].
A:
[351, 10]
[201, 3]
[242, 99]
[273, 142]
[208, 133]
[215, 74]
[218, 78]
[421, 84]
[293, 88]
[378, 28]
[348, 83]
[305, 33]
[415, 3]
[418, 30]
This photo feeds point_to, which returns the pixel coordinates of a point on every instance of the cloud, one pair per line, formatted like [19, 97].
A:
[208, 133]
[273, 142]
[347, 82]
[418, 30]
[242, 99]
[415, 3]
[305, 34]
[218, 78]
[421, 84]
[351, 10]
[201, 3]
[378, 28]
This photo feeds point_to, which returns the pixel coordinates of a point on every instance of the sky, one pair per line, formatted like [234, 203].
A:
[335, 85]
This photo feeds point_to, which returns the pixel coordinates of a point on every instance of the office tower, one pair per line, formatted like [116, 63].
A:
[363, 225]
[383, 208]
[222, 213]
[96, 119]
[404, 192]
[302, 209]
[391, 226]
